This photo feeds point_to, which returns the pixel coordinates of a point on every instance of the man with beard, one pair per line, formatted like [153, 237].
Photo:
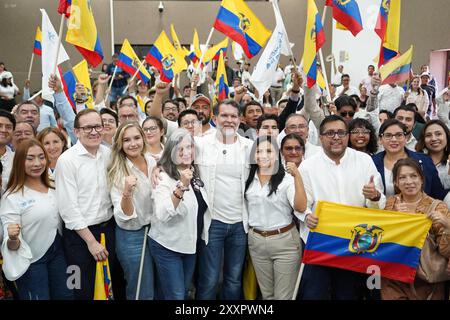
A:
[326, 178]
[170, 110]
[202, 105]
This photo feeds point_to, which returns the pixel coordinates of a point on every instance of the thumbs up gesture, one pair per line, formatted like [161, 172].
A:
[369, 190]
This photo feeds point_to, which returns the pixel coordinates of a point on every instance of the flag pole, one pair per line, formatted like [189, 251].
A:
[111, 13]
[134, 76]
[61, 28]
[35, 95]
[141, 266]
[110, 85]
[299, 277]
[322, 64]
[31, 66]
[203, 52]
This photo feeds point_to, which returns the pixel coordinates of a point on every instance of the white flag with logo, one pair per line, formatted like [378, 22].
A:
[278, 44]
[49, 46]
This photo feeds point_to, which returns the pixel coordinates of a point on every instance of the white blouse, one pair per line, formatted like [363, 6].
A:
[274, 211]
[175, 229]
[142, 201]
[37, 214]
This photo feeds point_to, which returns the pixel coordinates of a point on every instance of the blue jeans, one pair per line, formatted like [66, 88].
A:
[128, 251]
[46, 279]
[325, 283]
[174, 270]
[227, 242]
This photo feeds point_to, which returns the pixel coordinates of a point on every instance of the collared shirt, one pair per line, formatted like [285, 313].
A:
[411, 143]
[37, 214]
[274, 211]
[81, 187]
[47, 117]
[174, 228]
[341, 183]
[351, 91]
[390, 98]
[7, 162]
[443, 169]
[367, 83]
[142, 202]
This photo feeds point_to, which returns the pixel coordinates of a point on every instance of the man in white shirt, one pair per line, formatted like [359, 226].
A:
[84, 202]
[367, 81]
[7, 126]
[390, 96]
[223, 161]
[345, 88]
[127, 110]
[337, 79]
[342, 175]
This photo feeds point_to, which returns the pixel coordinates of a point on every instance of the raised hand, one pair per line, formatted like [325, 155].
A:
[369, 190]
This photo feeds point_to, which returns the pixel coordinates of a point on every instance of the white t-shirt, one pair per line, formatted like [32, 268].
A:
[389, 182]
[228, 193]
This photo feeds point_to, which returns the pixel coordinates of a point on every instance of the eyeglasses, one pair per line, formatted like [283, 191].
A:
[300, 126]
[389, 136]
[88, 129]
[361, 132]
[331, 133]
[150, 129]
[345, 114]
[292, 148]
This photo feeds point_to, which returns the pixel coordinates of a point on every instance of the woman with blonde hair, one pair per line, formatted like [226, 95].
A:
[129, 180]
[55, 143]
[32, 248]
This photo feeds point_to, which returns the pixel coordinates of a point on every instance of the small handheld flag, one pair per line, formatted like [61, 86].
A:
[221, 79]
[238, 22]
[164, 57]
[37, 49]
[82, 32]
[397, 69]
[103, 285]
[129, 62]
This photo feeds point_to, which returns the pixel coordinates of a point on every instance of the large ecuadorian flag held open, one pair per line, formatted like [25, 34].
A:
[354, 238]
[238, 22]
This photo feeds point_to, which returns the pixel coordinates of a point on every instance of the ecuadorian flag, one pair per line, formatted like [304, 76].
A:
[398, 69]
[390, 42]
[238, 22]
[213, 53]
[103, 285]
[37, 49]
[381, 26]
[82, 32]
[195, 55]
[347, 14]
[69, 83]
[129, 62]
[314, 40]
[221, 80]
[164, 57]
[354, 238]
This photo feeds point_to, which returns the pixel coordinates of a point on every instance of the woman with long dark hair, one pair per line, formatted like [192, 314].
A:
[273, 240]
[362, 136]
[32, 246]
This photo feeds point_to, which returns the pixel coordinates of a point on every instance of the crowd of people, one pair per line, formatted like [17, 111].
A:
[186, 188]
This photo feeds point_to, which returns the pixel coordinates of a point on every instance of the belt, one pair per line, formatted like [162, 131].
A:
[274, 232]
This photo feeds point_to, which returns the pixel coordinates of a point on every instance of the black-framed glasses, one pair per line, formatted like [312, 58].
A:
[389, 136]
[150, 129]
[332, 133]
[88, 129]
[345, 114]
